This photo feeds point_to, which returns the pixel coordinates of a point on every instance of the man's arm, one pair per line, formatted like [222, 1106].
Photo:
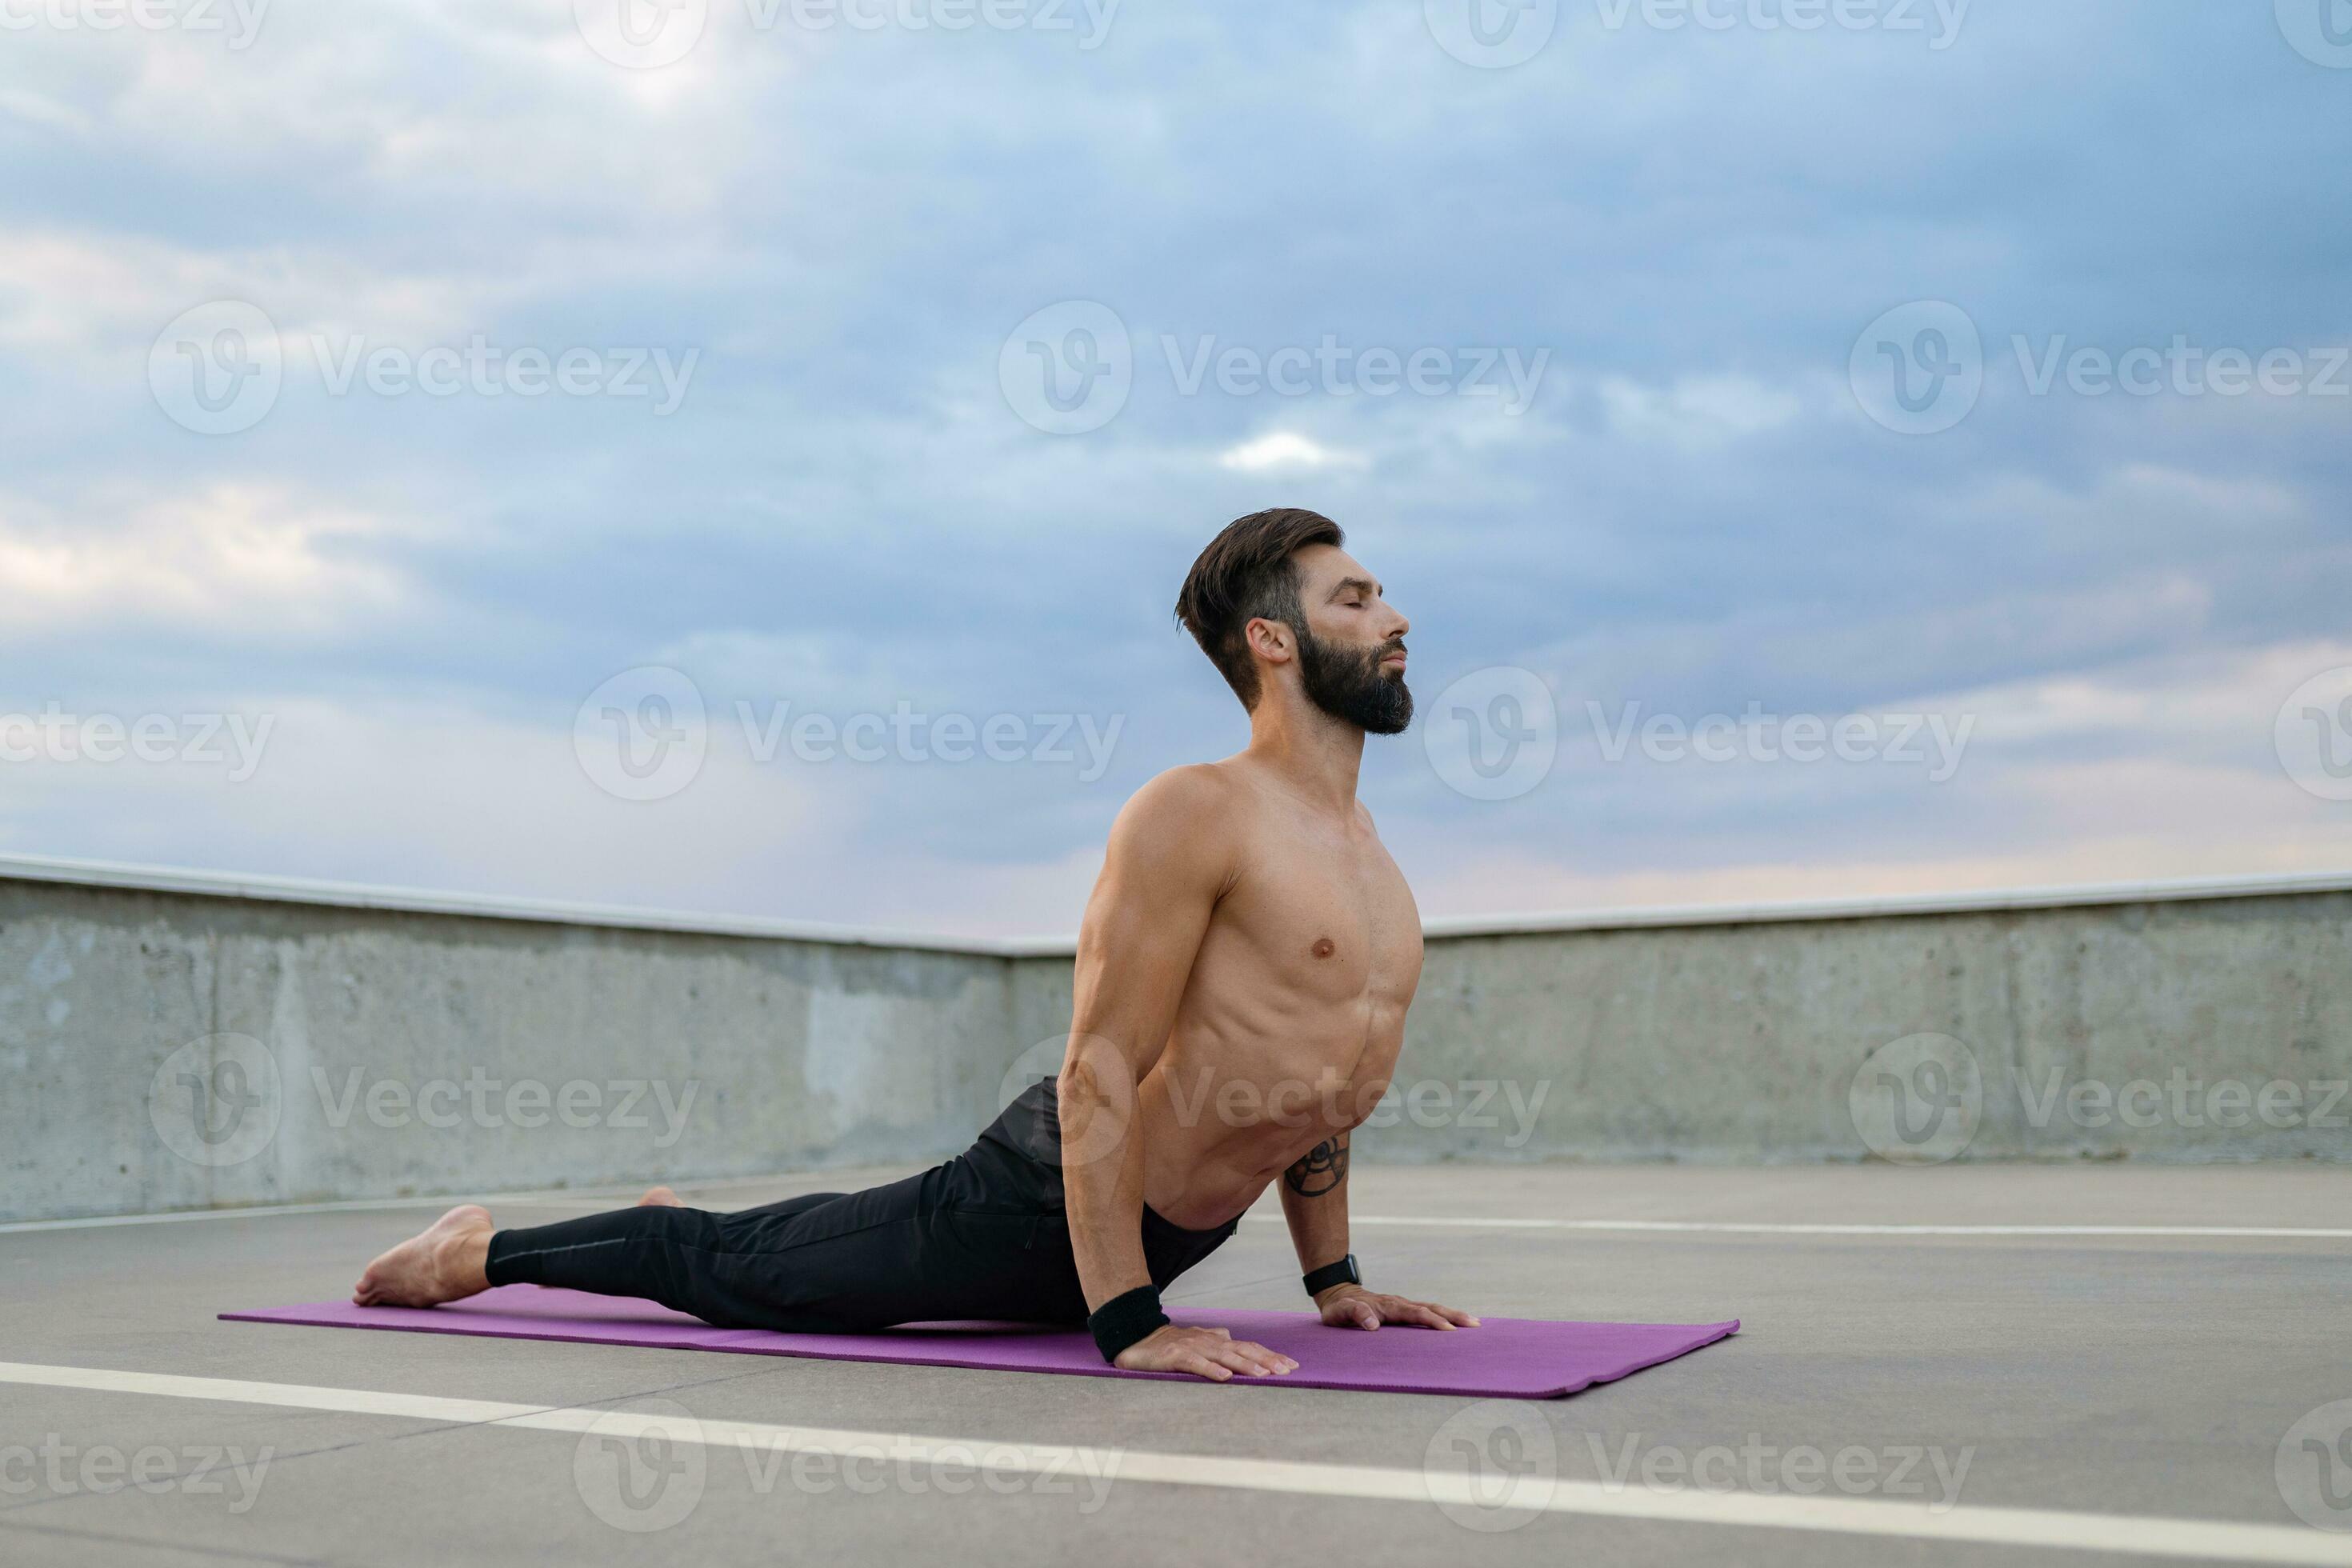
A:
[1315, 1201]
[1170, 860]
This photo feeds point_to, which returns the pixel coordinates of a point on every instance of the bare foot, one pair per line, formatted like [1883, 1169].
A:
[442, 1264]
[659, 1198]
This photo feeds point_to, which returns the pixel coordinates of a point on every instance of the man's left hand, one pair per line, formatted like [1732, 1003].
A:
[1353, 1307]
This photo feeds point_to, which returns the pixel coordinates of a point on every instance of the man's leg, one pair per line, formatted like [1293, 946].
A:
[928, 1247]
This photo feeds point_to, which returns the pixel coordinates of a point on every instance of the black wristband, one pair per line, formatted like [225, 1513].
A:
[1343, 1272]
[1123, 1320]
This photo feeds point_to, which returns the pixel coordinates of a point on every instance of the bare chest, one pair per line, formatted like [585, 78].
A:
[1320, 944]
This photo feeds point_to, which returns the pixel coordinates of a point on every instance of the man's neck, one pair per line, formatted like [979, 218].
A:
[1313, 753]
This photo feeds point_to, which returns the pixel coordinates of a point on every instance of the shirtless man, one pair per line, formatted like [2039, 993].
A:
[1242, 974]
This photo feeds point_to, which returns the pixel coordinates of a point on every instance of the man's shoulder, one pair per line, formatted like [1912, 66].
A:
[1196, 789]
[1197, 806]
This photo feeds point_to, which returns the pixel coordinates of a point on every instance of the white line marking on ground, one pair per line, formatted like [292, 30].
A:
[2150, 1537]
[1740, 1228]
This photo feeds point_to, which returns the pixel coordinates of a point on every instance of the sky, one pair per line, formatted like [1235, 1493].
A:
[742, 455]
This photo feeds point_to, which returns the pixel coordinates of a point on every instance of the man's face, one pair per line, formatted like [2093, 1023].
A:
[1352, 658]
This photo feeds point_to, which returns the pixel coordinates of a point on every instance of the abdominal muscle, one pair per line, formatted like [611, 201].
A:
[1222, 1117]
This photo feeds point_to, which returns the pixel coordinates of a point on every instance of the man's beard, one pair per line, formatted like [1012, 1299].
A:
[1352, 686]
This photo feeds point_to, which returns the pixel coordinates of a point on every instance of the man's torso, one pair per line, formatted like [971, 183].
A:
[1293, 1016]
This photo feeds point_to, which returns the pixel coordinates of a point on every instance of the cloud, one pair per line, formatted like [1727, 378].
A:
[246, 563]
[1693, 512]
[1285, 451]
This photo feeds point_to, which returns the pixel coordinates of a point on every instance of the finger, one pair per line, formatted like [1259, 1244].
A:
[1202, 1366]
[1268, 1362]
[1367, 1316]
[1222, 1333]
[1280, 1362]
[1456, 1316]
[1252, 1360]
[1430, 1316]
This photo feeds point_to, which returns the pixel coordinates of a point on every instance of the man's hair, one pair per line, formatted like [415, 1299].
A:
[1246, 574]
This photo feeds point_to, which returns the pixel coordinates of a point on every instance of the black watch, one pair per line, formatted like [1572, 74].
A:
[1343, 1272]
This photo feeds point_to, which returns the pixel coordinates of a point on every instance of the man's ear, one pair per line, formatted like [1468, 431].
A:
[1270, 640]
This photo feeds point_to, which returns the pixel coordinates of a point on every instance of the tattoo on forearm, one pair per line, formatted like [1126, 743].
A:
[1322, 1168]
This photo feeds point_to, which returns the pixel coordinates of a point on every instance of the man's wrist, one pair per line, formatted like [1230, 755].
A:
[1331, 1275]
[1123, 1320]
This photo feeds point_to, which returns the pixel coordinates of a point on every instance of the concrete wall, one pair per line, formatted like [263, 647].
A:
[342, 1053]
[188, 1043]
[2103, 1031]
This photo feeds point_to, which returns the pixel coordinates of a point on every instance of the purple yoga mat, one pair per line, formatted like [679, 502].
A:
[1506, 1358]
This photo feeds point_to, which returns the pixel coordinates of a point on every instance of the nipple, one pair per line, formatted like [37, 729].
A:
[1325, 947]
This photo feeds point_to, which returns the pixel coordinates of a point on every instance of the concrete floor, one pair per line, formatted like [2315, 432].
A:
[2139, 1378]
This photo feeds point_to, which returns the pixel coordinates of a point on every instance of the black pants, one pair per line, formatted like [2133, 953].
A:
[984, 1236]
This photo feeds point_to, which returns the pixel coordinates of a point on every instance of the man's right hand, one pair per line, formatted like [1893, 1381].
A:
[1212, 1353]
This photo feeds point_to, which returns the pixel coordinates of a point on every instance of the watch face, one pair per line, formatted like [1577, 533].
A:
[1343, 1272]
